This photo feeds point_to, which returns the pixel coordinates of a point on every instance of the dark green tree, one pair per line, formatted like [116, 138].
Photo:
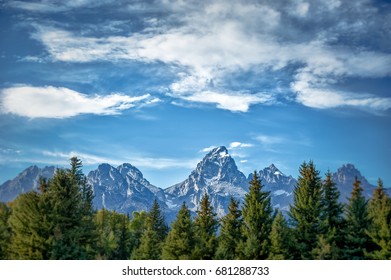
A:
[306, 210]
[379, 210]
[180, 242]
[230, 233]
[206, 226]
[72, 214]
[5, 231]
[281, 239]
[153, 237]
[358, 242]
[332, 224]
[257, 217]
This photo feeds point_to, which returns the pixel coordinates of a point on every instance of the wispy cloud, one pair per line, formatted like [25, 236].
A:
[139, 161]
[218, 38]
[238, 145]
[59, 102]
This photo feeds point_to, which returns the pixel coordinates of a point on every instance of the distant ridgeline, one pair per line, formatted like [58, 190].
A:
[216, 213]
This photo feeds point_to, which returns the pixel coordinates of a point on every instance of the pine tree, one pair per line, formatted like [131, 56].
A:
[5, 231]
[180, 242]
[32, 235]
[137, 227]
[281, 239]
[257, 217]
[379, 211]
[56, 223]
[230, 233]
[72, 214]
[358, 222]
[332, 224]
[205, 230]
[306, 210]
[152, 239]
[114, 239]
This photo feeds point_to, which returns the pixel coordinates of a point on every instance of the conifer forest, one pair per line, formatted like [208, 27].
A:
[59, 222]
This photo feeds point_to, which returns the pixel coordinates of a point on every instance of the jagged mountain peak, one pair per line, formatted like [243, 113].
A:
[217, 175]
[218, 152]
[130, 170]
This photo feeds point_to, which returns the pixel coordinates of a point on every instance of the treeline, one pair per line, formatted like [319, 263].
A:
[59, 222]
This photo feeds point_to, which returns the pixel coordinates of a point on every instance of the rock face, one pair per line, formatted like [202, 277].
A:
[344, 178]
[279, 185]
[26, 181]
[123, 189]
[218, 176]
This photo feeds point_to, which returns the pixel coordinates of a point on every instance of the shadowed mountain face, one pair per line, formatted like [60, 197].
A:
[124, 188]
[26, 181]
[345, 177]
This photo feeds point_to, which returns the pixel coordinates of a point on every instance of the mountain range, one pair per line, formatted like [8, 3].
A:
[124, 188]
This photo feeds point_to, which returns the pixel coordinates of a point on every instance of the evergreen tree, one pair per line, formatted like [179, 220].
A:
[114, 239]
[230, 233]
[152, 239]
[332, 224]
[32, 235]
[358, 222]
[379, 210]
[257, 217]
[5, 230]
[137, 227]
[72, 214]
[281, 239]
[205, 230]
[306, 210]
[180, 242]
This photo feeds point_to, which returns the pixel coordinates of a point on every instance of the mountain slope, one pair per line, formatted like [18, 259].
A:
[279, 185]
[123, 189]
[26, 181]
[217, 175]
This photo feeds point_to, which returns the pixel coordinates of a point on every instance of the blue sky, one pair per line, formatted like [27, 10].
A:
[157, 83]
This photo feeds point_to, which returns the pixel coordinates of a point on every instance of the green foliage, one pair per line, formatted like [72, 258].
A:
[137, 226]
[205, 230]
[114, 236]
[32, 235]
[379, 211]
[358, 222]
[5, 231]
[306, 210]
[230, 233]
[180, 242]
[56, 223]
[257, 217]
[153, 237]
[332, 224]
[281, 239]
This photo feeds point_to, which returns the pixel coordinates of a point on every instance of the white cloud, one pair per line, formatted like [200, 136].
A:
[139, 161]
[208, 149]
[235, 145]
[59, 102]
[234, 102]
[269, 140]
[215, 39]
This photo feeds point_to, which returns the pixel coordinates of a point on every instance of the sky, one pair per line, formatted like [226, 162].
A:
[158, 83]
